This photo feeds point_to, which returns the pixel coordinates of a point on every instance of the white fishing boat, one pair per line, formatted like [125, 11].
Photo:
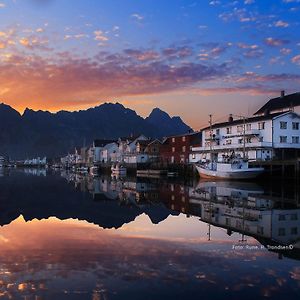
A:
[230, 166]
[233, 168]
[118, 169]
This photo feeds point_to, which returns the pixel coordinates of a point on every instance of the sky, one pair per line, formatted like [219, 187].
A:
[190, 58]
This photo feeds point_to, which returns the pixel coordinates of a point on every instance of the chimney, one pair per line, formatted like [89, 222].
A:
[282, 94]
[230, 118]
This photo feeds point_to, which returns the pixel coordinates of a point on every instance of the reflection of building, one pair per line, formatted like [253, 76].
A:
[235, 206]
[36, 161]
[246, 211]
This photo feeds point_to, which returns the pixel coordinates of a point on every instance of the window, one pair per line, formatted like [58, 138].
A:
[283, 139]
[283, 125]
[248, 126]
[240, 128]
[173, 149]
[173, 140]
[261, 125]
[281, 217]
[248, 140]
[240, 141]
[217, 131]
[281, 231]
[228, 130]
[295, 139]
[183, 149]
[228, 142]
[295, 125]
[183, 138]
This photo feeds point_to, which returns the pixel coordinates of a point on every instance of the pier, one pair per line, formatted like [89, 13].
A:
[288, 169]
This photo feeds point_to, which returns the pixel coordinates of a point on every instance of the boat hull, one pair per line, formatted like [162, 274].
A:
[234, 174]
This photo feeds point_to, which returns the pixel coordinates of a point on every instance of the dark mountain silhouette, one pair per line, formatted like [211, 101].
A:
[41, 133]
[163, 122]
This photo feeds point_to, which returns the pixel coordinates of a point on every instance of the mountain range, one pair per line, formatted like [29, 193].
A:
[42, 133]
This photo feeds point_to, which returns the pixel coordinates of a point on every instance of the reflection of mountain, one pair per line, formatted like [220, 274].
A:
[236, 207]
[43, 197]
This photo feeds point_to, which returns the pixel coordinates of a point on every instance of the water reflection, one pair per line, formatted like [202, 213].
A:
[241, 207]
[173, 239]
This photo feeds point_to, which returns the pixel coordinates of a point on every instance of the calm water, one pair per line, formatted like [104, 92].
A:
[65, 236]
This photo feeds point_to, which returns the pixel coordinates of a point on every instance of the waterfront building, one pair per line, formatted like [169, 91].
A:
[97, 153]
[131, 148]
[176, 149]
[274, 131]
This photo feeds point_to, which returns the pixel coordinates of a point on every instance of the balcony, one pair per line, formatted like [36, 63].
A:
[251, 132]
[234, 146]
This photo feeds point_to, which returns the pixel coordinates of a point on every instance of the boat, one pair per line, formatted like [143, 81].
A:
[118, 169]
[94, 171]
[232, 168]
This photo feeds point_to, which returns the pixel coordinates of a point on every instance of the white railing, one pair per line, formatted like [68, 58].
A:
[233, 146]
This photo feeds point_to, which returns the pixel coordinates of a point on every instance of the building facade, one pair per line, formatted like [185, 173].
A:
[176, 149]
[257, 138]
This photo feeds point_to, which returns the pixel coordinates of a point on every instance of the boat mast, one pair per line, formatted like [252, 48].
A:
[210, 131]
[244, 137]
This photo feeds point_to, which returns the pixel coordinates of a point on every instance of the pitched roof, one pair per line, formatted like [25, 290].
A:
[248, 120]
[102, 143]
[283, 102]
[131, 138]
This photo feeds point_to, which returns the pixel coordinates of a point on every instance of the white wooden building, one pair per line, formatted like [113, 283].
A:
[272, 130]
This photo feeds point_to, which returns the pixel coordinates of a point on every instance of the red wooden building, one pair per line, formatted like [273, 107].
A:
[176, 149]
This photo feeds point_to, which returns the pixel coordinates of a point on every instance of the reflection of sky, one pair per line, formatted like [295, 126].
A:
[76, 260]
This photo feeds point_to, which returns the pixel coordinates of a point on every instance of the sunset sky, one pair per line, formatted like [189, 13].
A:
[188, 57]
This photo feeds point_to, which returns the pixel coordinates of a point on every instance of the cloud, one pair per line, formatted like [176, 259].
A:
[2, 5]
[214, 2]
[137, 17]
[177, 52]
[285, 51]
[100, 37]
[251, 50]
[238, 14]
[296, 60]
[281, 24]
[275, 42]
[76, 36]
[67, 80]
[34, 43]
[142, 55]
